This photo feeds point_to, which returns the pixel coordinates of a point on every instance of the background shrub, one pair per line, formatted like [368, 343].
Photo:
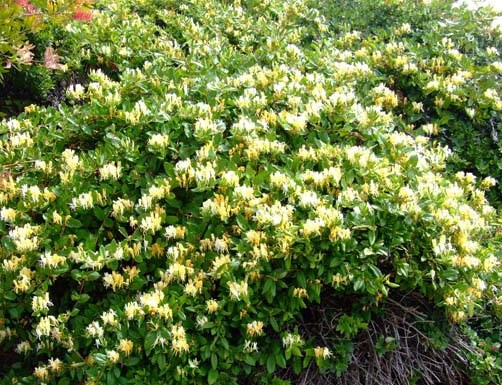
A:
[30, 65]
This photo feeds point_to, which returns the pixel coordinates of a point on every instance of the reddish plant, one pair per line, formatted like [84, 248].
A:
[82, 14]
[28, 7]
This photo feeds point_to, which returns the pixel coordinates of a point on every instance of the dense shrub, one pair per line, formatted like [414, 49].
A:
[228, 167]
[446, 65]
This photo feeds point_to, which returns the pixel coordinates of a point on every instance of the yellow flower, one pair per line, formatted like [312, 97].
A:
[458, 315]
[56, 218]
[300, 292]
[194, 286]
[133, 309]
[312, 227]
[165, 311]
[109, 318]
[212, 306]
[179, 345]
[322, 352]
[126, 346]
[55, 365]
[490, 263]
[94, 329]
[8, 214]
[152, 300]
[41, 373]
[177, 271]
[151, 223]
[131, 272]
[84, 200]
[488, 182]
[70, 161]
[255, 328]
[255, 237]
[23, 283]
[219, 264]
[44, 327]
[120, 206]
[159, 141]
[52, 260]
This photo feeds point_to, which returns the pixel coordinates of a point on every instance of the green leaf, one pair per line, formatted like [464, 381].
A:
[371, 237]
[92, 276]
[269, 290]
[131, 361]
[150, 340]
[73, 223]
[297, 366]
[161, 361]
[359, 284]
[100, 358]
[274, 324]
[99, 213]
[224, 343]
[281, 362]
[110, 378]
[242, 222]
[15, 312]
[171, 219]
[80, 298]
[249, 360]
[212, 376]
[271, 364]
[301, 279]
[214, 361]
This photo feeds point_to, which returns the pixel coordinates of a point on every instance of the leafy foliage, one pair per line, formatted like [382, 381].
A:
[27, 58]
[226, 165]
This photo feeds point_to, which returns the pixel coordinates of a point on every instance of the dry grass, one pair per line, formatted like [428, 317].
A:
[414, 359]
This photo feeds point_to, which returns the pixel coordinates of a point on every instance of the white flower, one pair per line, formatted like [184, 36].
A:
[159, 141]
[70, 161]
[75, 91]
[250, 346]
[111, 170]
[308, 199]
[289, 340]
[41, 303]
[238, 290]
[230, 178]
[244, 192]
[95, 330]
[45, 325]
[112, 356]
[152, 222]
[84, 200]
[8, 214]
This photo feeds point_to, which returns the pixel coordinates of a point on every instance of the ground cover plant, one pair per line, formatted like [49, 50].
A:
[257, 192]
